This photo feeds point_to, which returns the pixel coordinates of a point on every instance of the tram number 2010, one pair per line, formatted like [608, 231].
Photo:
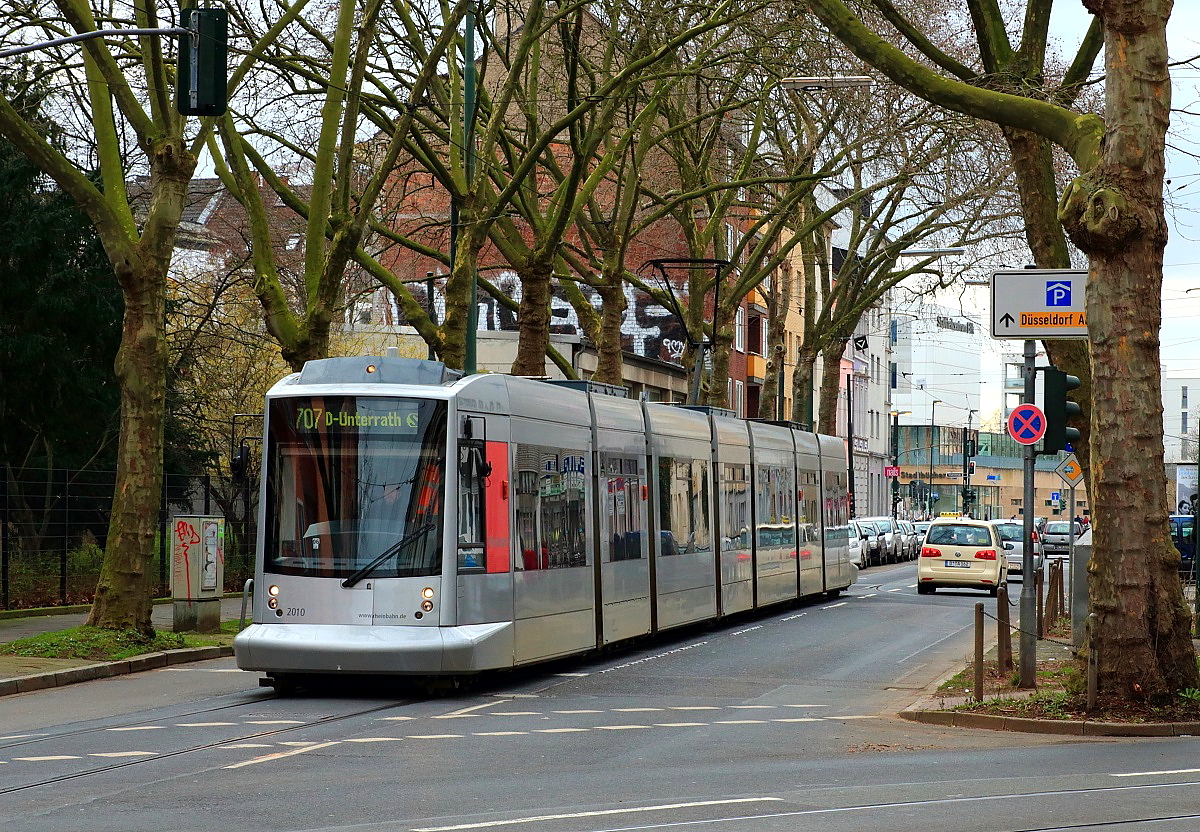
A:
[293, 612]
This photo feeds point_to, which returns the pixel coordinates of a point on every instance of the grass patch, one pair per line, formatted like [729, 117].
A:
[95, 644]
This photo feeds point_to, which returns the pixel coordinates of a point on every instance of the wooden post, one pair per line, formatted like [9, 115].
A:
[1004, 656]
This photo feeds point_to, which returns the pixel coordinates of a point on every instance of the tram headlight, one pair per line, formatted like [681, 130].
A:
[427, 592]
[427, 606]
[273, 590]
[273, 603]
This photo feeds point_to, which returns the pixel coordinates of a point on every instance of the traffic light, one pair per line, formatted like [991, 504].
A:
[971, 467]
[239, 463]
[200, 80]
[1059, 409]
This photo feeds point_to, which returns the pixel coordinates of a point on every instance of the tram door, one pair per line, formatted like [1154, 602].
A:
[624, 548]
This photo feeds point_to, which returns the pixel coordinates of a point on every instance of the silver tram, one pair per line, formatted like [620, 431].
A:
[416, 522]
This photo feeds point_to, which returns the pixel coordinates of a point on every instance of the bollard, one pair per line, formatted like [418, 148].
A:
[1040, 622]
[978, 692]
[1004, 656]
[1093, 668]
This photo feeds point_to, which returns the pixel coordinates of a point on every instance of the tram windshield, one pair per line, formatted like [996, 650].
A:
[355, 487]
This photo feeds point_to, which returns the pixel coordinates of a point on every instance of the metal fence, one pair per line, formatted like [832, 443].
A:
[54, 523]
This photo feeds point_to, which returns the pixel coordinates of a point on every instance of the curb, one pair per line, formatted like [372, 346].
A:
[104, 670]
[1067, 728]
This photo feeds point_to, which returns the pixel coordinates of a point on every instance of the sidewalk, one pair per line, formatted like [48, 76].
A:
[20, 674]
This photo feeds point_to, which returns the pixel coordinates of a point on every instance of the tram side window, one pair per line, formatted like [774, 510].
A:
[622, 507]
[684, 506]
[735, 507]
[551, 507]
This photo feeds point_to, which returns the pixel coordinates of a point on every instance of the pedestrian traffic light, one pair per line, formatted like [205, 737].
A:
[239, 463]
[1058, 409]
[200, 80]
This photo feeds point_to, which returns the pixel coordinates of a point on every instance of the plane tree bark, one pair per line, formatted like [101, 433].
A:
[1114, 213]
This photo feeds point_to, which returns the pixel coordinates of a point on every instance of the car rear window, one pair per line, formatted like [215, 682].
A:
[1009, 531]
[1058, 528]
[954, 535]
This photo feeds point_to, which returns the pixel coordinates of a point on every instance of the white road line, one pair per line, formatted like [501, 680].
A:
[679, 724]
[559, 730]
[202, 724]
[694, 708]
[798, 719]
[396, 718]
[597, 813]
[462, 711]
[835, 606]
[635, 710]
[500, 733]
[298, 743]
[740, 722]
[47, 758]
[516, 713]
[124, 754]
[579, 711]
[618, 727]
[574, 675]
[851, 716]
[136, 728]
[755, 707]
[274, 722]
[804, 706]
[247, 745]
[280, 755]
[21, 736]
[1154, 773]
[897, 589]
[434, 737]
[375, 739]
[872, 595]
[457, 716]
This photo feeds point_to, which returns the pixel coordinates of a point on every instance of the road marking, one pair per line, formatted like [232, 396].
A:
[694, 708]
[574, 675]
[457, 716]
[136, 728]
[375, 739]
[798, 719]
[274, 722]
[851, 716]
[618, 727]
[579, 711]
[598, 813]
[1153, 773]
[872, 595]
[248, 745]
[299, 743]
[835, 606]
[281, 754]
[396, 718]
[517, 713]
[635, 710]
[47, 758]
[897, 589]
[755, 707]
[202, 724]
[434, 736]
[500, 733]
[559, 730]
[680, 724]
[124, 754]
[465, 711]
[739, 722]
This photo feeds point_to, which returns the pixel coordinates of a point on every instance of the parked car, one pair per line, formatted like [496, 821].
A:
[1182, 535]
[1013, 531]
[892, 540]
[922, 526]
[865, 542]
[1057, 535]
[912, 540]
[960, 552]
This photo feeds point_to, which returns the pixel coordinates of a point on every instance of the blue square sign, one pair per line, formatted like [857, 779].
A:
[1058, 293]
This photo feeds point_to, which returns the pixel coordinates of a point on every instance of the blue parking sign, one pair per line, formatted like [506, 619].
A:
[1055, 495]
[1058, 293]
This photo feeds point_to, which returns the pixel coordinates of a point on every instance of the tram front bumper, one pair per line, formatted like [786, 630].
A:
[341, 648]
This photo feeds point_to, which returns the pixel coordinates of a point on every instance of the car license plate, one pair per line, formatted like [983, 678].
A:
[962, 564]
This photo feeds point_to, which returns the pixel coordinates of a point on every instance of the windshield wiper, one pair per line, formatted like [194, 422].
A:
[390, 551]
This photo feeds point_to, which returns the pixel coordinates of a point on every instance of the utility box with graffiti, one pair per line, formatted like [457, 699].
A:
[197, 572]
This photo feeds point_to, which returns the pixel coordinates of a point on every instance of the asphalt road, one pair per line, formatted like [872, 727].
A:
[780, 722]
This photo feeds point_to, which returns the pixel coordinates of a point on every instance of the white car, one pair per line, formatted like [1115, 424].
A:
[960, 552]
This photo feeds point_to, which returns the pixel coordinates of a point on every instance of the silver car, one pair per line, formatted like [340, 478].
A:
[1012, 531]
[1056, 537]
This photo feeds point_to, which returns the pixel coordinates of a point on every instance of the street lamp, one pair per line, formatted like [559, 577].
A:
[896, 414]
[932, 423]
[828, 83]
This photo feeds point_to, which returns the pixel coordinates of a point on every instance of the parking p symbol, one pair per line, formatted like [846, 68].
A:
[1058, 293]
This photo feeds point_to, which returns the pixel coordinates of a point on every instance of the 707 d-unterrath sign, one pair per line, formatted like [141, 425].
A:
[1039, 303]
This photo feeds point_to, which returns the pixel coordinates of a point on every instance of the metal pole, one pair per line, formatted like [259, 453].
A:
[850, 435]
[429, 308]
[977, 694]
[470, 351]
[932, 424]
[1028, 642]
[895, 461]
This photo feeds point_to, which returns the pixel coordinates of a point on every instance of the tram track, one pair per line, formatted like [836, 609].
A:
[166, 755]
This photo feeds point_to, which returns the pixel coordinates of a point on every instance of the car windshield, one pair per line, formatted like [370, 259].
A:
[866, 528]
[952, 534]
[1009, 531]
[1058, 528]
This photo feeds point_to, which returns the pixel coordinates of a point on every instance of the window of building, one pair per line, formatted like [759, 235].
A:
[1183, 397]
[754, 334]
[739, 331]
[738, 391]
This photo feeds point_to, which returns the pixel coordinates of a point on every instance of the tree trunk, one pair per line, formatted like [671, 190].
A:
[802, 386]
[458, 302]
[722, 343]
[831, 383]
[609, 366]
[533, 319]
[1114, 213]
